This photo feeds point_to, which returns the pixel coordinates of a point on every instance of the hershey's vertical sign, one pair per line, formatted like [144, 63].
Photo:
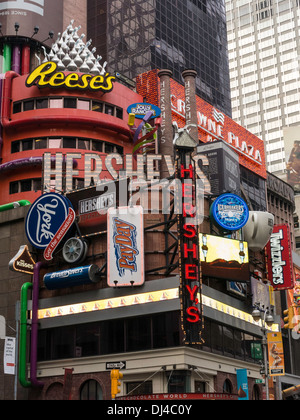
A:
[189, 266]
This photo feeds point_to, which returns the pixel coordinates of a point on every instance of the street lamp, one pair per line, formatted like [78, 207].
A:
[267, 319]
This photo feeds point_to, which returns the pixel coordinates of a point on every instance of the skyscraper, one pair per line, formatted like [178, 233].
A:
[138, 36]
[264, 45]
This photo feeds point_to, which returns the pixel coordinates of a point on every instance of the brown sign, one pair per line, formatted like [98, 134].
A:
[22, 262]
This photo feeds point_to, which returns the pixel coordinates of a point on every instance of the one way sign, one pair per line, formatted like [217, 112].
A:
[115, 365]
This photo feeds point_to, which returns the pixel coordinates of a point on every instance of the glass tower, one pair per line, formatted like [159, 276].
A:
[136, 36]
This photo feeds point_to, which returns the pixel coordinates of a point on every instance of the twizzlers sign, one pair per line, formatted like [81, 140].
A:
[280, 265]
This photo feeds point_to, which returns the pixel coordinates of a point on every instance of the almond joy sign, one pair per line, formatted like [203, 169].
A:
[47, 222]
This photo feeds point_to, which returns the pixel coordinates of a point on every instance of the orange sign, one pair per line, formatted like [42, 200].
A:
[276, 355]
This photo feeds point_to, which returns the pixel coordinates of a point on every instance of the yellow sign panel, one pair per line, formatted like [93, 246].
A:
[276, 355]
[224, 258]
[46, 75]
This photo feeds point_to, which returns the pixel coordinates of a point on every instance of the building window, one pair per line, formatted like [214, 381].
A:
[25, 185]
[14, 187]
[178, 381]
[67, 102]
[42, 103]
[139, 388]
[227, 387]
[70, 103]
[200, 387]
[15, 146]
[97, 106]
[17, 107]
[91, 391]
[67, 143]
[28, 105]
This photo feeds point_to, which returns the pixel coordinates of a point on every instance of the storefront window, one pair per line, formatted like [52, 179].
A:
[179, 381]
[139, 388]
[91, 391]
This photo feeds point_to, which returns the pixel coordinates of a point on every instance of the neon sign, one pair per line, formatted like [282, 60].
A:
[230, 212]
[190, 276]
[46, 75]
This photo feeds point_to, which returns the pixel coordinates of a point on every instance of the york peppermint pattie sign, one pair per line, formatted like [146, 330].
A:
[47, 222]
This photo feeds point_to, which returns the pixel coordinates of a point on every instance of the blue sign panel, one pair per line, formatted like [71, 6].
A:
[242, 384]
[45, 217]
[141, 109]
[230, 212]
[71, 277]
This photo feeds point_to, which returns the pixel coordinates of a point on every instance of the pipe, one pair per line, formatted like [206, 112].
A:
[25, 66]
[23, 336]
[6, 58]
[30, 161]
[2, 75]
[35, 326]
[6, 97]
[14, 205]
[16, 59]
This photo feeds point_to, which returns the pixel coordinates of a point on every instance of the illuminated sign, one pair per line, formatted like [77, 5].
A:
[46, 75]
[22, 261]
[71, 277]
[224, 258]
[230, 212]
[190, 283]
[125, 246]
[47, 222]
[280, 266]
[141, 109]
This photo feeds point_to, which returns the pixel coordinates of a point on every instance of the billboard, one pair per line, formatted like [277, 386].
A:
[223, 171]
[224, 258]
[125, 246]
[280, 266]
[46, 14]
[212, 124]
[276, 354]
[291, 136]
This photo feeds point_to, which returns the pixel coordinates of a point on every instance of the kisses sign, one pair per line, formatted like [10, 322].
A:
[48, 220]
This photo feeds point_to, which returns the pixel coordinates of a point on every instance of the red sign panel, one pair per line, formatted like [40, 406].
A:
[280, 265]
[186, 396]
[213, 125]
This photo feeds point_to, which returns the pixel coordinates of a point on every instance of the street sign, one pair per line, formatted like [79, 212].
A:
[115, 365]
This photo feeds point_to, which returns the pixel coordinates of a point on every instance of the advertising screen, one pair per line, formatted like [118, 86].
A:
[46, 14]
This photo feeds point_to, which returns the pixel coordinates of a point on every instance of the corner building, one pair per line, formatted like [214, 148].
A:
[90, 327]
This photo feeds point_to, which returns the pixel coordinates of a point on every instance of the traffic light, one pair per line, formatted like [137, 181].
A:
[288, 318]
[115, 375]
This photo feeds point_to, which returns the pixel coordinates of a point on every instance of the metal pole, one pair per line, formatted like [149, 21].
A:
[266, 365]
[264, 331]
